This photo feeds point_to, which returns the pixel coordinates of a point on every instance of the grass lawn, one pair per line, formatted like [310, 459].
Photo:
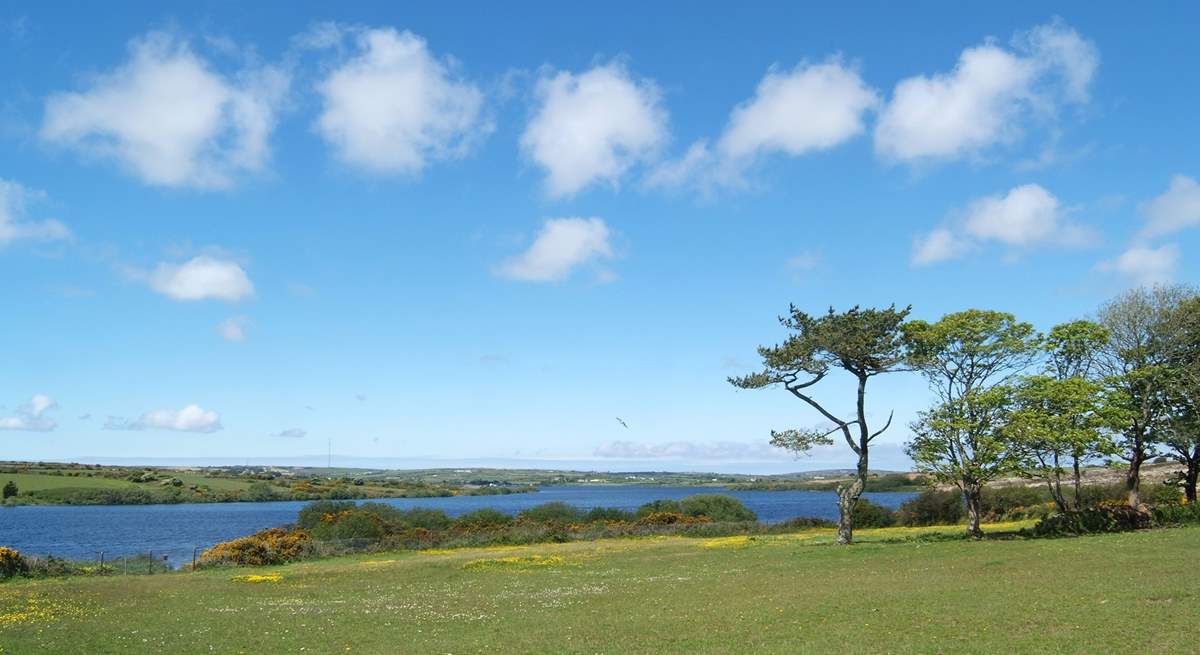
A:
[1120, 593]
[40, 482]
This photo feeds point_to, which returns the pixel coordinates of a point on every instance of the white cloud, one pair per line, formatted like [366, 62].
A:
[14, 225]
[810, 108]
[1146, 265]
[394, 107]
[691, 450]
[1178, 208]
[985, 100]
[562, 245]
[233, 329]
[202, 277]
[1027, 216]
[31, 416]
[170, 118]
[191, 418]
[291, 433]
[805, 261]
[593, 127]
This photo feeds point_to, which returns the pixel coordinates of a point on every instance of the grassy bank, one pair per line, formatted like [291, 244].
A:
[1131, 592]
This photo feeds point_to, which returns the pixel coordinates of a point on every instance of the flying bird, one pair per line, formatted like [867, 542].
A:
[622, 423]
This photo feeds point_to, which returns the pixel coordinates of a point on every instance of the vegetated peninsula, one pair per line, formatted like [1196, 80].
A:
[27, 483]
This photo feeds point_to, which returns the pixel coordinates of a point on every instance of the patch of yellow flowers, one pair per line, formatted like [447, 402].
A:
[257, 579]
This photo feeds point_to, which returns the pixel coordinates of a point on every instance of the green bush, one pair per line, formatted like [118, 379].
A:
[1175, 514]
[417, 517]
[659, 506]
[868, 514]
[551, 513]
[806, 522]
[932, 507]
[602, 514]
[349, 524]
[483, 519]
[999, 501]
[1101, 518]
[310, 514]
[717, 507]
[671, 518]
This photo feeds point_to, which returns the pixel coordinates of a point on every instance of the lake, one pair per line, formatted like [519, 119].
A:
[82, 532]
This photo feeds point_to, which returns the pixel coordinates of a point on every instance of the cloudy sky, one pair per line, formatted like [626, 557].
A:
[464, 234]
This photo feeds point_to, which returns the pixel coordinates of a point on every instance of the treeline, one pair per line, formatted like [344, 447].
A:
[883, 482]
[1123, 388]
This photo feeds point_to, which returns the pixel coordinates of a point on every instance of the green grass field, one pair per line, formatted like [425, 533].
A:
[1119, 593]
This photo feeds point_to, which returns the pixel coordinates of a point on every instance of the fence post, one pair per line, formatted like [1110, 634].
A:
[125, 564]
[194, 559]
[101, 562]
[150, 569]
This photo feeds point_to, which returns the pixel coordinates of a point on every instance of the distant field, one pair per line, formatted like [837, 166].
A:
[1120, 593]
[39, 482]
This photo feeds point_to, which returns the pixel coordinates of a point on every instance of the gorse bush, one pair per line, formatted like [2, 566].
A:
[868, 514]
[932, 507]
[483, 519]
[271, 546]
[672, 518]
[659, 506]
[555, 512]
[601, 514]
[12, 563]
[1176, 514]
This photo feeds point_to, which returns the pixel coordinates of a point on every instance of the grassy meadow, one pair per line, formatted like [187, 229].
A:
[1112, 593]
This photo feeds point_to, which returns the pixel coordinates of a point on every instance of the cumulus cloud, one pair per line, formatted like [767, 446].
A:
[191, 418]
[1178, 208]
[1146, 265]
[562, 245]
[31, 416]
[988, 97]
[691, 450]
[810, 108]
[592, 127]
[170, 118]
[200, 278]
[394, 107]
[13, 222]
[291, 433]
[233, 329]
[1027, 216]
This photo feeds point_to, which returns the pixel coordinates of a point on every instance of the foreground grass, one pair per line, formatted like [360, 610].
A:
[1133, 592]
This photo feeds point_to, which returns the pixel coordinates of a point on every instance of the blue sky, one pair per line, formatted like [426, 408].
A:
[455, 234]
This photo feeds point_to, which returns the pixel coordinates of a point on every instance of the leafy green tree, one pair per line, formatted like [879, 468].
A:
[10, 489]
[861, 342]
[1136, 363]
[969, 358]
[1055, 422]
[1182, 436]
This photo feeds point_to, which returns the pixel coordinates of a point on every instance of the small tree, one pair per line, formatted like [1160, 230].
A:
[861, 342]
[10, 490]
[968, 358]
[1055, 422]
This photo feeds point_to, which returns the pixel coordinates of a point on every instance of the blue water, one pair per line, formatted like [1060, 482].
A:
[174, 530]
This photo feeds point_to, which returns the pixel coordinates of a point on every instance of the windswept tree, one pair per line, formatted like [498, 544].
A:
[969, 358]
[1061, 415]
[861, 342]
[1136, 363]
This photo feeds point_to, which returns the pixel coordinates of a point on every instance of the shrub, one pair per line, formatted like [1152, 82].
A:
[659, 506]
[349, 524]
[1108, 517]
[10, 489]
[868, 514]
[551, 513]
[483, 519]
[270, 546]
[717, 507]
[998, 501]
[604, 514]
[806, 522]
[931, 507]
[1174, 514]
[12, 563]
[417, 517]
[310, 515]
[672, 518]
[1167, 493]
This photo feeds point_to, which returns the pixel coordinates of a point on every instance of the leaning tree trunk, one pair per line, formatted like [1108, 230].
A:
[848, 495]
[1078, 500]
[973, 495]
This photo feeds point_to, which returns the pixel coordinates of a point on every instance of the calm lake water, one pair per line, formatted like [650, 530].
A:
[174, 530]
